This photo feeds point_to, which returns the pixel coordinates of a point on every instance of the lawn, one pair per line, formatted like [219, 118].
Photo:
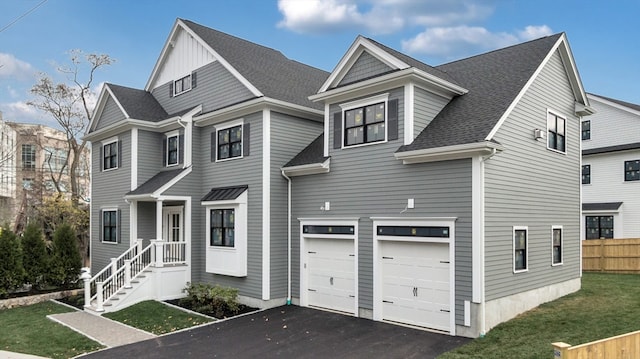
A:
[156, 318]
[607, 305]
[27, 330]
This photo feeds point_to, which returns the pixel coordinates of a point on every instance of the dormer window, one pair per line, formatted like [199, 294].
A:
[182, 85]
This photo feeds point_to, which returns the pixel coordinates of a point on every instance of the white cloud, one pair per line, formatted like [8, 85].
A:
[11, 67]
[459, 41]
[19, 111]
[376, 16]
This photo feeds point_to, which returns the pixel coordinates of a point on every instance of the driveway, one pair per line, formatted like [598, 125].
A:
[291, 332]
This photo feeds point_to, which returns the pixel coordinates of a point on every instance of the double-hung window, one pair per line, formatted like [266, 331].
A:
[172, 150]
[586, 174]
[586, 130]
[365, 124]
[229, 142]
[110, 155]
[632, 170]
[556, 245]
[222, 227]
[520, 245]
[556, 132]
[182, 85]
[110, 226]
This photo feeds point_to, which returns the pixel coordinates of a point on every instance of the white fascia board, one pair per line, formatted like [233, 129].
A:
[391, 80]
[448, 152]
[572, 70]
[308, 169]
[597, 98]
[127, 124]
[163, 54]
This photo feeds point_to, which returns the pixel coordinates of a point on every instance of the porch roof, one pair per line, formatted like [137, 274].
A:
[605, 206]
[224, 193]
[155, 183]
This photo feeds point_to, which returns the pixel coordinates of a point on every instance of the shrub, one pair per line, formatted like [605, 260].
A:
[11, 269]
[66, 261]
[216, 300]
[35, 258]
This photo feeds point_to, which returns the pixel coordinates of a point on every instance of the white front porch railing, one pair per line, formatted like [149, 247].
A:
[129, 266]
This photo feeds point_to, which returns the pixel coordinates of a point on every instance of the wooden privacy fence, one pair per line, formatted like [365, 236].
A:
[625, 346]
[611, 255]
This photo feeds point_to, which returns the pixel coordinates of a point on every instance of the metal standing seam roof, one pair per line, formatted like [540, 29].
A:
[605, 206]
[156, 182]
[224, 193]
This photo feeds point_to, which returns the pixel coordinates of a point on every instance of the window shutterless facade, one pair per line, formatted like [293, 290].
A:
[520, 247]
[222, 228]
[172, 150]
[28, 157]
[110, 156]
[365, 124]
[599, 227]
[586, 130]
[586, 174]
[556, 245]
[556, 132]
[632, 170]
[110, 226]
[229, 143]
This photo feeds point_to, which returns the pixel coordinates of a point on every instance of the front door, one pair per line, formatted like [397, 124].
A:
[172, 226]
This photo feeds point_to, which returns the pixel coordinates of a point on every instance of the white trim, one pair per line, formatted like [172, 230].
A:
[513, 248]
[101, 103]
[327, 128]
[597, 98]
[266, 204]
[231, 261]
[134, 159]
[421, 221]
[168, 135]
[107, 142]
[448, 152]
[225, 126]
[133, 223]
[173, 181]
[477, 232]
[561, 245]
[308, 169]
[304, 299]
[174, 94]
[361, 103]
[557, 115]
[409, 105]
[101, 221]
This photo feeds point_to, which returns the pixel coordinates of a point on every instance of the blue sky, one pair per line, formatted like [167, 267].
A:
[602, 35]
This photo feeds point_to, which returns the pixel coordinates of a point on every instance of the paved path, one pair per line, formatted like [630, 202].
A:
[11, 355]
[103, 330]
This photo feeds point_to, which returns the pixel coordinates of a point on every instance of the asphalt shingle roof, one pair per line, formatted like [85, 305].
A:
[139, 104]
[314, 153]
[224, 193]
[616, 148]
[606, 206]
[619, 102]
[267, 69]
[156, 182]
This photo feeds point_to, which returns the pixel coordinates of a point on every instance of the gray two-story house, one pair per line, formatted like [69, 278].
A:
[445, 198]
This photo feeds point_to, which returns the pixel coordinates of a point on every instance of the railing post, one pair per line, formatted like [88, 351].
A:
[127, 273]
[159, 252]
[114, 265]
[139, 245]
[100, 298]
[87, 292]
[561, 350]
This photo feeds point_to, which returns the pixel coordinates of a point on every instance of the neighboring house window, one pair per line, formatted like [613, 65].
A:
[364, 124]
[56, 159]
[520, 249]
[110, 226]
[172, 150]
[110, 156]
[556, 245]
[230, 142]
[632, 170]
[556, 131]
[222, 228]
[586, 130]
[599, 227]
[28, 157]
[586, 174]
[182, 85]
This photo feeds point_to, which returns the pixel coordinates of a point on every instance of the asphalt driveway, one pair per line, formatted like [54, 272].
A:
[291, 332]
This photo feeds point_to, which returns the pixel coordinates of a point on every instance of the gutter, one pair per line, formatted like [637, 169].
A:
[288, 236]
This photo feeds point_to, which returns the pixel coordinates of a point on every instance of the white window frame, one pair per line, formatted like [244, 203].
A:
[526, 250]
[561, 245]
[105, 143]
[227, 125]
[557, 115]
[169, 135]
[384, 98]
[231, 261]
[182, 79]
[114, 209]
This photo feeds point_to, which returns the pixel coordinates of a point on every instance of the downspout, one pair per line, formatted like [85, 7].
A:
[184, 163]
[288, 237]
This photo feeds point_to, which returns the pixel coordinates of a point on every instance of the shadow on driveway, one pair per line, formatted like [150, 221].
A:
[291, 332]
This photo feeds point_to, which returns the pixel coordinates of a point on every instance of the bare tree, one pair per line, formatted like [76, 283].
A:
[69, 103]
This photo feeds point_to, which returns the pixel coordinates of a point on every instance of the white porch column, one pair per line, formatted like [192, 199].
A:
[159, 219]
[133, 222]
[114, 265]
[127, 273]
[158, 251]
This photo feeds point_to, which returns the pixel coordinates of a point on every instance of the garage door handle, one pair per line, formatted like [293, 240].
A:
[445, 311]
[352, 296]
[311, 252]
[311, 290]
[387, 257]
[445, 262]
[387, 301]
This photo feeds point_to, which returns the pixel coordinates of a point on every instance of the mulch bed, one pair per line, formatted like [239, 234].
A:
[184, 303]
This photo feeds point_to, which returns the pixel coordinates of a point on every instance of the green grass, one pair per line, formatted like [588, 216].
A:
[27, 330]
[156, 318]
[607, 305]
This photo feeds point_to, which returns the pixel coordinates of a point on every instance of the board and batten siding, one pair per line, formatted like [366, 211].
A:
[426, 106]
[611, 126]
[108, 189]
[234, 172]
[289, 136]
[110, 114]
[366, 66]
[215, 88]
[529, 185]
[368, 181]
[608, 185]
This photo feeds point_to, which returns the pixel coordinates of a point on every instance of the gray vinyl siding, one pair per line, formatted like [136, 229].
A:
[426, 106]
[529, 185]
[366, 66]
[240, 171]
[368, 181]
[110, 114]
[149, 155]
[147, 221]
[289, 136]
[215, 88]
[108, 189]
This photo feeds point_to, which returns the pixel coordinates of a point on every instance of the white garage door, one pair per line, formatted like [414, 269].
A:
[331, 274]
[415, 283]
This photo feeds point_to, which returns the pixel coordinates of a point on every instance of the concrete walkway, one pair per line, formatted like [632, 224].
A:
[11, 355]
[103, 330]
